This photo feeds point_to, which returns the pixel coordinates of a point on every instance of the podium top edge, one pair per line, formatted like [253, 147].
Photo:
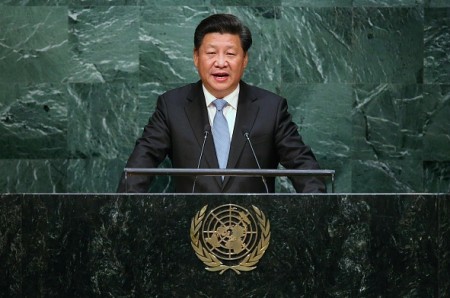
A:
[228, 172]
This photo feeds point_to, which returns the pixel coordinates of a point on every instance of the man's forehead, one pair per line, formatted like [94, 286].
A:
[221, 39]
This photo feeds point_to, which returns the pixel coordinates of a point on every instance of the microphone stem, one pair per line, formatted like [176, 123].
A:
[257, 162]
[200, 159]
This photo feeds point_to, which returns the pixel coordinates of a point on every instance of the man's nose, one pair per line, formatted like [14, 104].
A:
[221, 60]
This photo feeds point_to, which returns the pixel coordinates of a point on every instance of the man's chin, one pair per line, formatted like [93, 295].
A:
[219, 90]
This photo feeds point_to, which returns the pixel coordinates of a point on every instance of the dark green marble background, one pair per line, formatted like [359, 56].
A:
[368, 83]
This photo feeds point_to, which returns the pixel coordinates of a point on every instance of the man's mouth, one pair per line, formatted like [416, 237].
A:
[220, 75]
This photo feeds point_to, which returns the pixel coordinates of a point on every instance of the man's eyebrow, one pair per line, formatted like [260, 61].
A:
[214, 46]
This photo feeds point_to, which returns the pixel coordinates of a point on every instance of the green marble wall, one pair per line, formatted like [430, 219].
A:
[368, 83]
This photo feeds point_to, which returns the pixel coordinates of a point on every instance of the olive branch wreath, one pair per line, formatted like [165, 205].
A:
[213, 263]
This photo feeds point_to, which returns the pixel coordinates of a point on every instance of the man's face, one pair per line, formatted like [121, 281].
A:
[220, 61]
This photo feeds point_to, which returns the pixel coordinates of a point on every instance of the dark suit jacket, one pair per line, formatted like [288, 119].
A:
[177, 129]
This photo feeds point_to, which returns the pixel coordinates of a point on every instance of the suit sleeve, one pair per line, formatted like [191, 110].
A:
[149, 151]
[294, 154]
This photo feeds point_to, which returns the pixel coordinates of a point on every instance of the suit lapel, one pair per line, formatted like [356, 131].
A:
[197, 114]
[245, 118]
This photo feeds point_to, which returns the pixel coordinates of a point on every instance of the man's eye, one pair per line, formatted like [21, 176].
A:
[210, 53]
[231, 54]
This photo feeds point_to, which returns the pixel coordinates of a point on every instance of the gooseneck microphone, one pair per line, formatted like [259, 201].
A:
[207, 129]
[246, 135]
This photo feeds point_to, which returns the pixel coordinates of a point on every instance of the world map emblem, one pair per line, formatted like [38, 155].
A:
[230, 237]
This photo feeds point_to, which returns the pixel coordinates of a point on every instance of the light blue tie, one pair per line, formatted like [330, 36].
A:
[221, 133]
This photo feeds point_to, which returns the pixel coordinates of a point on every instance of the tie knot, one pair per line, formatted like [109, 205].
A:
[220, 104]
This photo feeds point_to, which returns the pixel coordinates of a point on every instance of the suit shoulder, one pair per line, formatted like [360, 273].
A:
[264, 94]
[179, 92]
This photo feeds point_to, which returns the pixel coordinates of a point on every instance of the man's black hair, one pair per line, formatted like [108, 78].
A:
[223, 23]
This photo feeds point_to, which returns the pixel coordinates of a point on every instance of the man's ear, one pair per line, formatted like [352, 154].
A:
[195, 55]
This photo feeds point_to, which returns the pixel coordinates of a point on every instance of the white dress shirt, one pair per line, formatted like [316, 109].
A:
[229, 111]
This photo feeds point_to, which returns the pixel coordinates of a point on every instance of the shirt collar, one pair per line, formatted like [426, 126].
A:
[231, 98]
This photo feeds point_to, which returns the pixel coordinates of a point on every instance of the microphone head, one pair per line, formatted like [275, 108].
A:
[207, 128]
[245, 131]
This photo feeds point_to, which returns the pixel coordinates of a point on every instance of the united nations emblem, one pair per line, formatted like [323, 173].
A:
[230, 237]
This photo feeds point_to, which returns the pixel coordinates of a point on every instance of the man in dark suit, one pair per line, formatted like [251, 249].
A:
[184, 116]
